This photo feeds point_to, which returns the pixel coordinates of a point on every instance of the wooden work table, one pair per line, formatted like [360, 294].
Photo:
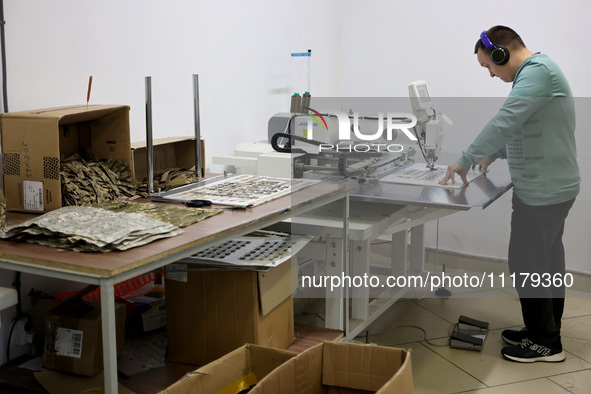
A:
[107, 269]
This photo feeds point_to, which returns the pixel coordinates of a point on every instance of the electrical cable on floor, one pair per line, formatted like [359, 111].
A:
[9, 337]
[442, 291]
[306, 313]
[416, 327]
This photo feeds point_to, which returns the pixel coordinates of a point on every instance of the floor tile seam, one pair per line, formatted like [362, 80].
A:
[430, 311]
[575, 317]
[454, 364]
[565, 373]
[511, 383]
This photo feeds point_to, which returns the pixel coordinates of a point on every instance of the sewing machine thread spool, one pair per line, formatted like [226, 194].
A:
[306, 98]
[296, 104]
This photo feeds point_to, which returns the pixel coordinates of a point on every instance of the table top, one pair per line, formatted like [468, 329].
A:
[479, 193]
[194, 237]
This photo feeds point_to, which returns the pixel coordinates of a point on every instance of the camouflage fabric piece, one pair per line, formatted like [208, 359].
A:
[90, 229]
[179, 216]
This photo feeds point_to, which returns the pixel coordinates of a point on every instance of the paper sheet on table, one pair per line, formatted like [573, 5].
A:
[419, 175]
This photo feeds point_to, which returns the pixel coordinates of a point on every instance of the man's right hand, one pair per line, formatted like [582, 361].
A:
[452, 170]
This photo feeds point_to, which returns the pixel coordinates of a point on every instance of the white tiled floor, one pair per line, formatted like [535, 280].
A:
[439, 369]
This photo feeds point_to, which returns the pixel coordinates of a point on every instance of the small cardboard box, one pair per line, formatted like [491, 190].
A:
[146, 310]
[210, 313]
[336, 367]
[73, 336]
[34, 141]
[173, 152]
[232, 373]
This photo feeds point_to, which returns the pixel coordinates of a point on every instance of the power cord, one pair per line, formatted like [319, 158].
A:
[19, 314]
[415, 327]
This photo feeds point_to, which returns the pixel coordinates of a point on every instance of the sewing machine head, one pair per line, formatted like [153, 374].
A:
[429, 127]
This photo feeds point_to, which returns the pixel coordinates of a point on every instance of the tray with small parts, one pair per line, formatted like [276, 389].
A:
[261, 249]
[239, 190]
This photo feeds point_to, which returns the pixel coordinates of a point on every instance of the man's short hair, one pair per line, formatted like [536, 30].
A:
[501, 35]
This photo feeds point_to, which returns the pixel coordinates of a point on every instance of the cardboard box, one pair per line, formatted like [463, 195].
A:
[336, 367]
[34, 141]
[73, 336]
[173, 152]
[213, 312]
[146, 309]
[233, 373]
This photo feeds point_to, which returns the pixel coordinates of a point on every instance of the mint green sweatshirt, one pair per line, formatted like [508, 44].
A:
[535, 131]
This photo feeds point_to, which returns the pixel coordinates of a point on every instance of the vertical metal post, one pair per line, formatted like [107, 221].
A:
[109, 333]
[198, 168]
[417, 249]
[309, 69]
[149, 137]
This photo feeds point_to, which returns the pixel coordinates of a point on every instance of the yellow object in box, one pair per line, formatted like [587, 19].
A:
[234, 372]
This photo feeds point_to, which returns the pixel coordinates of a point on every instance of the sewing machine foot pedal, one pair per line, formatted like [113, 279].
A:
[468, 334]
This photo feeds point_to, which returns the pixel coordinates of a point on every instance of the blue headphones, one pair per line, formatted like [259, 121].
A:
[498, 53]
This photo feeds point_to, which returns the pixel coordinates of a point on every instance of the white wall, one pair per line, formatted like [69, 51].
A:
[385, 45]
[241, 51]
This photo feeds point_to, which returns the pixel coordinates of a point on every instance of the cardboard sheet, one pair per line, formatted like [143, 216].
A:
[63, 383]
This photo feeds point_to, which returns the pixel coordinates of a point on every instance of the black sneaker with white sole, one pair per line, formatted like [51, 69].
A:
[514, 337]
[530, 352]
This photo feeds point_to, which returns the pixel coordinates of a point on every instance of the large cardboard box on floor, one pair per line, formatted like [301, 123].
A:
[339, 368]
[172, 152]
[232, 373]
[73, 336]
[210, 313]
[34, 141]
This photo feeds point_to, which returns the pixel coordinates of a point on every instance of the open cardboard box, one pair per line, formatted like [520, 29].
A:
[339, 368]
[73, 335]
[172, 152]
[33, 143]
[210, 313]
[232, 373]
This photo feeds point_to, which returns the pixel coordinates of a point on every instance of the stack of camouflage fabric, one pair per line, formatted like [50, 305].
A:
[87, 180]
[176, 215]
[90, 230]
[167, 180]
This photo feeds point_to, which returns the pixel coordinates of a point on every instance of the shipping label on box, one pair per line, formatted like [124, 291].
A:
[68, 342]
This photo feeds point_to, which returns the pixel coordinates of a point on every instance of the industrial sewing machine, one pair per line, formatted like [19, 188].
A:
[324, 142]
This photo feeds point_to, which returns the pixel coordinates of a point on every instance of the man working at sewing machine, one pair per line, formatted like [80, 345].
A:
[534, 131]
